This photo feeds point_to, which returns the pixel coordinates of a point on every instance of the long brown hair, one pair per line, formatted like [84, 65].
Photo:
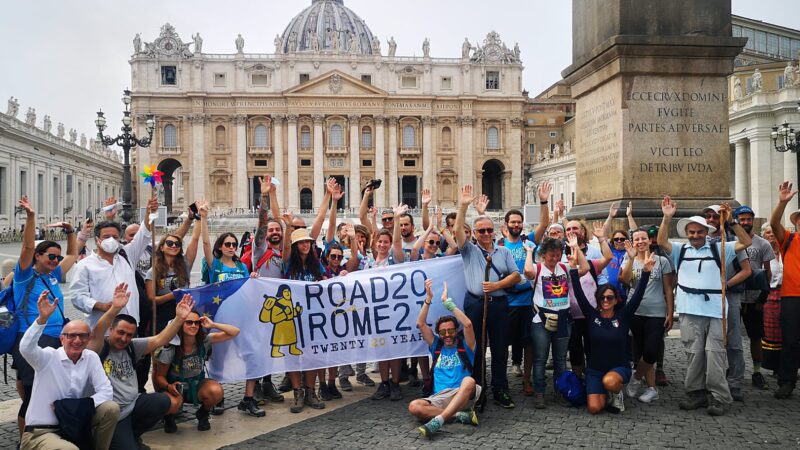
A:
[161, 267]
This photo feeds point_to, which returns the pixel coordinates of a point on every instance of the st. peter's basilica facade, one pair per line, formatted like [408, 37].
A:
[332, 99]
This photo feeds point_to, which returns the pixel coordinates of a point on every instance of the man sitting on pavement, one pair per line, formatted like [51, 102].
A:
[454, 389]
[119, 354]
[65, 373]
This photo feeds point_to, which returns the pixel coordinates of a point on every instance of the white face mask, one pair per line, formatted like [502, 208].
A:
[110, 245]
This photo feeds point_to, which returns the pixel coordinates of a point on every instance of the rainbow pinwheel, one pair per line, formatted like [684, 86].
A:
[152, 175]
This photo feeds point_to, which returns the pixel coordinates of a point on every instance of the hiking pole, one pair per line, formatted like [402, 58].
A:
[155, 275]
[483, 332]
[723, 280]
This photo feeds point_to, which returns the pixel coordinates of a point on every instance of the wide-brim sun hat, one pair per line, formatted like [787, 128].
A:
[299, 235]
[683, 223]
[714, 208]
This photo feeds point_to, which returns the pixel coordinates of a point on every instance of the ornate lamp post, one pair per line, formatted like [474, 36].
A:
[785, 139]
[128, 141]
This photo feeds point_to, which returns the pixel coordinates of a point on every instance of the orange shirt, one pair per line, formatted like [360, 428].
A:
[791, 267]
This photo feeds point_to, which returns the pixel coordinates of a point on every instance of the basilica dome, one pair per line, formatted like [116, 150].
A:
[333, 25]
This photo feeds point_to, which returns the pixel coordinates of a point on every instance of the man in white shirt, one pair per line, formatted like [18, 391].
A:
[64, 373]
[97, 275]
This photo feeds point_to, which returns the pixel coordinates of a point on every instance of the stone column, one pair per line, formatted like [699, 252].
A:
[467, 152]
[428, 158]
[355, 162]
[292, 185]
[198, 158]
[761, 189]
[740, 181]
[514, 151]
[277, 154]
[240, 121]
[379, 197]
[319, 160]
[393, 155]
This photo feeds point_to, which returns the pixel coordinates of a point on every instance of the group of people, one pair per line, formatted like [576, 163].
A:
[604, 298]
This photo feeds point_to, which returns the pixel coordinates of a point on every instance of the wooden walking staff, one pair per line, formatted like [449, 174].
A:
[483, 332]
[723, 278]
[152, 176]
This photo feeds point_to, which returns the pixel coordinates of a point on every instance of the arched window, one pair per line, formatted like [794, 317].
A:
[170, 136]
[261, 136]
[447, 137]
[492, 138]
[305, 137]
[408, 136]
[366, 137]
[336, 136]
[219, 137]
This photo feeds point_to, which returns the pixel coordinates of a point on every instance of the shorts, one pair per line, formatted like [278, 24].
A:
[648, 337]
[594, 379]
[753, 319]
[519, 324]
[24, 370]
[443, 398]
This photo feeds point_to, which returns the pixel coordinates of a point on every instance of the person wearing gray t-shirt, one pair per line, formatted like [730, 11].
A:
[119, 352]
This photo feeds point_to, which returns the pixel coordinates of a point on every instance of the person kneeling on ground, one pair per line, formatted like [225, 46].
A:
[180, 369]
[453, 359]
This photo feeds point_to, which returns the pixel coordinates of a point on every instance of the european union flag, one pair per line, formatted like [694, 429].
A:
[208, 298]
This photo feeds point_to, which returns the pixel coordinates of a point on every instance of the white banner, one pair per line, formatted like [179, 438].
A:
[288, 325]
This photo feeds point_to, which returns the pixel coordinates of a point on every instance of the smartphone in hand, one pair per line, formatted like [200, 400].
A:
[193, 208]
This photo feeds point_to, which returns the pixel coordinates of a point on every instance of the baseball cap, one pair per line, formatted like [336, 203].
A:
[696, 219]
[744, 209]
[714, 208]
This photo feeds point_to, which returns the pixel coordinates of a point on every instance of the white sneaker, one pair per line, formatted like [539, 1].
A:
[618, 400]
[515, 370]
[649, 395]
[633, 387]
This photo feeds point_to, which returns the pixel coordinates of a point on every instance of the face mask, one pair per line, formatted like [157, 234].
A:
[110, 245]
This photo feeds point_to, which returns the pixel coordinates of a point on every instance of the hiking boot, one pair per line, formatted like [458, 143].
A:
[467, 417]
[219, 408]
[784, 391]
[286, 384]
[334, 393]
[633, 387]
[270, 393]
[394, 392]
[648, 395]
[324, 393]
[737, 394]
[258, 394]
[616, 402]
[299, 401]
[538, 401]
[661, 378]
[430, 428]
[715, 407]
[202, 419]
[169, 424]
[345, 384]
[515, 370]
[250, 406]
[759, 381]
[365, 380]
[382, 392]
[312, 400]
[694, 400]
[502, 398]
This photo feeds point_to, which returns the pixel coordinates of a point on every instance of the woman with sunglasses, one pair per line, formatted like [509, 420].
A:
[225, 264]
[40, 268]
[180, 369]
[609, 364]
[653, 317]
[427, 246]
[173, 267]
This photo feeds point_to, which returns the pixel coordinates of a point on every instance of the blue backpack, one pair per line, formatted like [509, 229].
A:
[571, 388]
[9, 321]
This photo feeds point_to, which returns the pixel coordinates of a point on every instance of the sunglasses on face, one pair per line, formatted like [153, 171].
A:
[608, 298]
[53, 257]
[229, 244]
[484, 230]
[335, 257]
[192, 323]
[73, 336]
[712, 216]
[433, 242]
[447, 332]
[620, 239]
[387, 219]
[171, 244]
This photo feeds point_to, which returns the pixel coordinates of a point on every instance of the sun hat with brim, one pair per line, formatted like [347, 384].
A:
[696, 219]
[714, 208]
[793, 216]
[301, 234]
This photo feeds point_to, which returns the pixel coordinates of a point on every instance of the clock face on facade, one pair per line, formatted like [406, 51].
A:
[492, 52]
[168, 46]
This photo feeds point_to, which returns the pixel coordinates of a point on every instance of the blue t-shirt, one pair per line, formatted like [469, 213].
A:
[522, 293]
[610, 274]
[21, 279]
[225, 273]
[449, 370]
[305, 275]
